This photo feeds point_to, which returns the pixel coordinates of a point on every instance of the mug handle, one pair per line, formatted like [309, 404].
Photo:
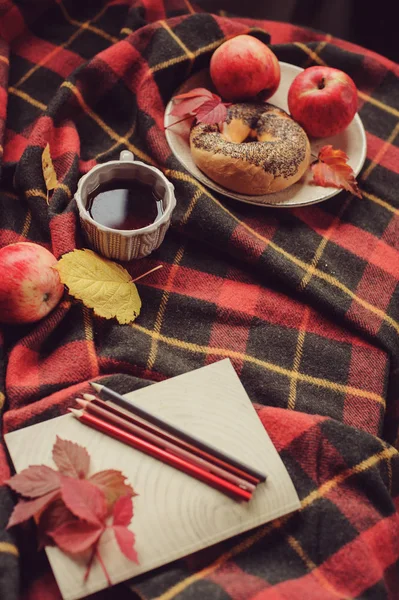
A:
[126, 156]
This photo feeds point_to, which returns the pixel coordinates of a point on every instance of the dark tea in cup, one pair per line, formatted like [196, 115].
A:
[125, 207]
[124, 204]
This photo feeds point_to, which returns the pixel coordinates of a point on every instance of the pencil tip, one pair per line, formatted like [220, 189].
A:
[75, 412]
[82, 403]
[97, 386]
[89, 397]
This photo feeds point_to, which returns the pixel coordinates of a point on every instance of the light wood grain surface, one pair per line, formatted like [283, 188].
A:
[174, 514]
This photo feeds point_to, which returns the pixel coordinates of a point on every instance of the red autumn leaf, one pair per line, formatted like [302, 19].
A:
[35, 481]
[53, 516]
[71, 459]
[332, 170]
[112, 483]
[190, 101]
[126, 539]
[187, 107]
[212, 111]
[75, 536]
[84, 499]
[71, 510]
[194, 93]
[123, 511]
[207, 107]
[26, 509]
[122, 515]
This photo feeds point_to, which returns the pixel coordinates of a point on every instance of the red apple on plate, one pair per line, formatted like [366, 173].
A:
[29, 287]
[323, 100]
[244, 68]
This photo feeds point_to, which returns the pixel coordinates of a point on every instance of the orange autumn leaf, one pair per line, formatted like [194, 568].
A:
[332, 170]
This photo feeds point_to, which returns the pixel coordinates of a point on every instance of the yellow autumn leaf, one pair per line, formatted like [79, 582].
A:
[100, 284]
[49, 174]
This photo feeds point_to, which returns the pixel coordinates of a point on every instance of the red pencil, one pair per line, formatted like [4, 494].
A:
[94, 400]
[140, 411]
[101, 411]
[156, 430]
[171, 459]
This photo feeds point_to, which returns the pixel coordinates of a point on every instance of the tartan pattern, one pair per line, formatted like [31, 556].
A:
[303, 301]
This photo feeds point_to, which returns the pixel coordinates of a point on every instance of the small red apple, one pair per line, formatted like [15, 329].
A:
[29, 287]
[244, 68]
[323, 100]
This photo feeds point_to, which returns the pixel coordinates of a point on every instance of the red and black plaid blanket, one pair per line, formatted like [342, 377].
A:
[303, 301]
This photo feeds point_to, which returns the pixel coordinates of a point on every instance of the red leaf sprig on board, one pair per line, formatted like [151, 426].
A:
[205, 106]
[73, 509]
[332, 170]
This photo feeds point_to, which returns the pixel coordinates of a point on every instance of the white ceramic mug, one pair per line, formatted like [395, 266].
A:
[125, 244]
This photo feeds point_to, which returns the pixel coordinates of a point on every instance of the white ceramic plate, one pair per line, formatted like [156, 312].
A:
[352, 141]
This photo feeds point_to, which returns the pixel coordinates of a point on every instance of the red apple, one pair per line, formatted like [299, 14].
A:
[29, 287]
[244, 68]
[323, 100]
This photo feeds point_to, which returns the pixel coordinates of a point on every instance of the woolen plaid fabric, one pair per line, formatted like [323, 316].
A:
[303, 301]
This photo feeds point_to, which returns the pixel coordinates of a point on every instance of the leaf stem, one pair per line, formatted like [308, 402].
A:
[179, 121]
[104, 568]
[89, 564]
[147, 273]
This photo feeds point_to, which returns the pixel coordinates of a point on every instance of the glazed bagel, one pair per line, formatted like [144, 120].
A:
[260, 149]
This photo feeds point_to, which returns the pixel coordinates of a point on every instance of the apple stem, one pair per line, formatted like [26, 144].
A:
[322, 84]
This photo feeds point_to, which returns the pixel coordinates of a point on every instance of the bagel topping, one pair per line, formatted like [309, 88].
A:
[260, 134]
